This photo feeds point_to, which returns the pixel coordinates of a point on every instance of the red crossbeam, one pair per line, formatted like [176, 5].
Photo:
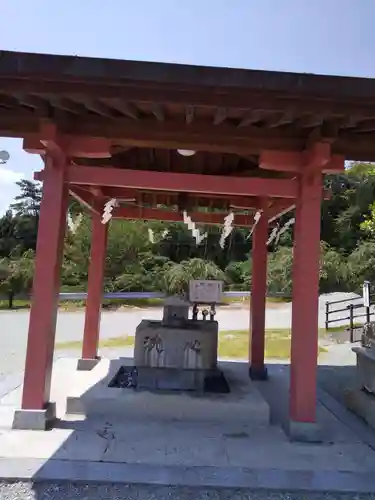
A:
[169, 216]
[83, 197]
[176, 182]
[294, 161]
[87, 147]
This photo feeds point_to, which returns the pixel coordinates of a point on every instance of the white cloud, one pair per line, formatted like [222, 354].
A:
[8, 176]
[8, 188]
[21, 165]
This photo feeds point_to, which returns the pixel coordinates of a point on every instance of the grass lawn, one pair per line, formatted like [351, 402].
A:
[232, 344]
[17, 304]
[235, 344]
[77, 305]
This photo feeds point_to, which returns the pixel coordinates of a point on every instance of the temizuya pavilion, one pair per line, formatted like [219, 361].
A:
[111, 129]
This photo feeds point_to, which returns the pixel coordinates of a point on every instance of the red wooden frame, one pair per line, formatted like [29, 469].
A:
[176, 182]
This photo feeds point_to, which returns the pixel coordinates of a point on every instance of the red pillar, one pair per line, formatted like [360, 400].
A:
[94, 290]
[257, 370]
[304, 347]
[42, 324]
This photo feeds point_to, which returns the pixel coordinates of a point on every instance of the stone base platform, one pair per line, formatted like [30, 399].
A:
[112, 449]
[90, 395]
[362, 404]
[38, 420]
[365, 367]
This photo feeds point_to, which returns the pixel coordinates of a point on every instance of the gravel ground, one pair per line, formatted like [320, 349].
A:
[48, 491]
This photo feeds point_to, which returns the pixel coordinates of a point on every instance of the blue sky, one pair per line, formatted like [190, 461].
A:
[319, 36]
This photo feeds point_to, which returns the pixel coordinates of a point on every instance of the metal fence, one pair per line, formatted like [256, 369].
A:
[357, 314]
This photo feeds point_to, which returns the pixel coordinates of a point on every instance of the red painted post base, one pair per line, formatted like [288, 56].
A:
[35, 420]
[258, 372]
[305, 432]
[87, 364]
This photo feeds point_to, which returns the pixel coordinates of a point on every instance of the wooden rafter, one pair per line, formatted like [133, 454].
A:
[220, 116]
[189, 114]
[159, 112]
[85, 198]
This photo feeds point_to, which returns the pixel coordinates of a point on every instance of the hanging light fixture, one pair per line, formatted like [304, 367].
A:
[4, 157]
[186, 152]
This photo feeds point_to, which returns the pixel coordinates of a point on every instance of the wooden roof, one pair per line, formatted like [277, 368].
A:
[168, 106]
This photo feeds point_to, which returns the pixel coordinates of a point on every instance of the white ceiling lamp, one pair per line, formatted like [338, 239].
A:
[4, 157]
[186, 152]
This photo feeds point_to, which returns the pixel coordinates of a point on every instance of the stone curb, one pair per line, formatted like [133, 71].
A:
[37, 470]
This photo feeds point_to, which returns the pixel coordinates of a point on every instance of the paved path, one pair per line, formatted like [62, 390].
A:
[185, 454]
[69, 490]
[14, 325]
[346, 450]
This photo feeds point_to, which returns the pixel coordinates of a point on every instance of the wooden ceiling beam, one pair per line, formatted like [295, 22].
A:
[197, 136]
[279, 209]
[159, 112]
[286, 118]
[174, 135]
[215, 218]
[310, 121]
[74, 147]
[228, 97]
[239, 202]
[292, 161]
[220, 116]
[85, 198]
[67, 105]
[126, 108]
[39, 105]
[189, 114]
[252, 117]
[365, 126]
[95, 106]
[9, 101]
[50, 140]
[176, 182]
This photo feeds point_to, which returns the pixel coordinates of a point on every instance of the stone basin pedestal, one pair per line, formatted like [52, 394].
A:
[176, 353]
[366, 367]
[361, 397]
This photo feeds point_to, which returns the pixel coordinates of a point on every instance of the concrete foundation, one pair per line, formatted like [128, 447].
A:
[362, 403]
[90, 395]
[86, 365]
[305, 432]
[122, 450]
[36, 420]
[258, 373]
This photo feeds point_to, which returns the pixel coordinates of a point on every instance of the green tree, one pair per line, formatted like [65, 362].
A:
[8, 241]
[361, 265]
[238, 275]
[334, 273]
[27, 203]
[178, 276]
[280, 270]
[16, 274]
